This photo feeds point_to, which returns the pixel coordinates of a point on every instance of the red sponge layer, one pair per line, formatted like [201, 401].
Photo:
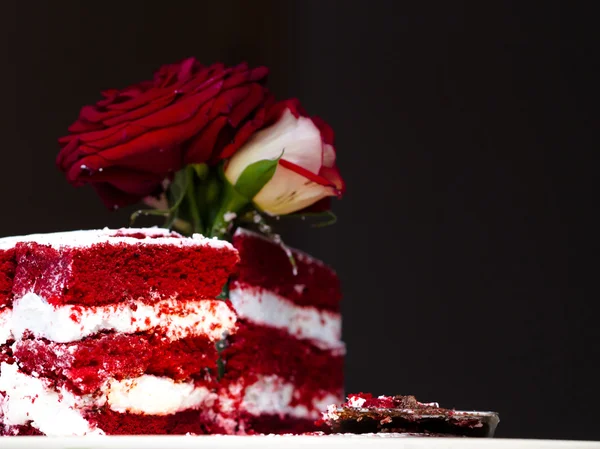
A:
[189, 421]
[266, 424]
[108, 273]
[26, 430]
[261, 350]
[265, 264]
[83, 366]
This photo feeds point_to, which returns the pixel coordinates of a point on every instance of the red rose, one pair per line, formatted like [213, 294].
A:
[128, 143]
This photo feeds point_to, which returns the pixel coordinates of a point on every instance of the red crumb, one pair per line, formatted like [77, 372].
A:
[265, 264]
[6, 354]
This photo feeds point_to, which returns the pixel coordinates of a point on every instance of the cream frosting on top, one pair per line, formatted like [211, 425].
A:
[130, 236]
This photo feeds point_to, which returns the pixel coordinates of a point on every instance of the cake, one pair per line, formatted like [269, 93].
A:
[131, 331]
[287, 351]
[404, 415]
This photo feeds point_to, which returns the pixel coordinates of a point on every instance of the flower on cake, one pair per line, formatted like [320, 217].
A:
[126, 144]
[306, 170]
[204, 146]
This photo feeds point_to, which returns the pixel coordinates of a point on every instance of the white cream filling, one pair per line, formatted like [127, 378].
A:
[263, 307]
[28, 399]
[154, 395]
[5, 325]
[67, 323]
[59, 412]
[272, 395]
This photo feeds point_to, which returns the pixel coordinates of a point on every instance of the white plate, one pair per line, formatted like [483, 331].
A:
[287, 442]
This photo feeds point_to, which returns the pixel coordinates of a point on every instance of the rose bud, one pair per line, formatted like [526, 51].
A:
[306, 172]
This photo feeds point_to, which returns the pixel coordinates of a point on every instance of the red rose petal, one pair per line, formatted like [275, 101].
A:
[306, 173]
[326, 131]
[180, 111]
[64, 154]
[185, 69]
[114, 198]
[200, 148]
[128, 181]
[204, 79]
[108, 137]
[92, 114]
[133, 138]
[81, 126]
[255, 95]
[142, 111]
[158, 138]
[333, 176]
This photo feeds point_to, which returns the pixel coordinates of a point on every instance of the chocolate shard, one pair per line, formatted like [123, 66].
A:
[362, 413]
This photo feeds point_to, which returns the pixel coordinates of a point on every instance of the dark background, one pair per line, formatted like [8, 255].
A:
[464, 132]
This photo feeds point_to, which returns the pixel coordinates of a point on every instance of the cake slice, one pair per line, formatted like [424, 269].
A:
[284, 364]
[362, 413]
[121, 332]
[112, 332]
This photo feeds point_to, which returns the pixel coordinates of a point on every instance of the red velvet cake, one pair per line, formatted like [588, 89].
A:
[120, 332]
[284, 364]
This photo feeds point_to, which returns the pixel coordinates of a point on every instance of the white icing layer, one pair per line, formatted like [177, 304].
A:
[56, 412]
[154, 395]
[28, 399]
[59, 412]
[263, 307]
[356, 401]
[5, 325]
[67, 323]
[86, 238]
[272, 395]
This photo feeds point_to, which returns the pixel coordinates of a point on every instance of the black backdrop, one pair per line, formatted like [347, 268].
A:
[463, 131]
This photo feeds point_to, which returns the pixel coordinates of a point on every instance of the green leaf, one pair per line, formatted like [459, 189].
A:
[178, 189]
[220, 346]
[255, 176]
[211, 189]
[231, 201]
[224, 295]
[147, 212]
[193, 200]
[331, 219]
[201, 170]
[181, 226]
[327, 218]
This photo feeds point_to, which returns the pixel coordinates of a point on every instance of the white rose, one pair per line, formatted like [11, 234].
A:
[306, 172]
